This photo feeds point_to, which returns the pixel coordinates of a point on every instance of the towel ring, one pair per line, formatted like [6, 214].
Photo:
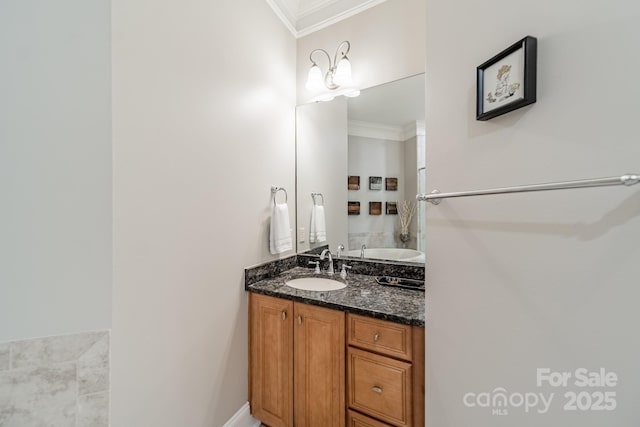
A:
[314, 195]
[275, 189]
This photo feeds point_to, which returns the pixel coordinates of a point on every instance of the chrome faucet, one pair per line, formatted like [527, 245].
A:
[362, 248]
[330, 270]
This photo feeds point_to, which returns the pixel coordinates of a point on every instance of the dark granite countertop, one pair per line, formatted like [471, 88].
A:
[361, 296]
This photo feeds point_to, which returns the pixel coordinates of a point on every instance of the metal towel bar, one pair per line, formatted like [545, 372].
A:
[629, 179]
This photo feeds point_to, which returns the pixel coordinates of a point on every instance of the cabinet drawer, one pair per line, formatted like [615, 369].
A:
[380, 386]
[392, 339]
[356, 419]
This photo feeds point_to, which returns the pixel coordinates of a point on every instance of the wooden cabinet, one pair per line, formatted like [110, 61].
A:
[319, 367]
[385, 372]
[356, 419]
[308, 365]
[271, 360]
[297, 363]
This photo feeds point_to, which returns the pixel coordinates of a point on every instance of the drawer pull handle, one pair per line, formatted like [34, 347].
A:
[299, 320]
[377, 389]
[284, 315]
[376, 337]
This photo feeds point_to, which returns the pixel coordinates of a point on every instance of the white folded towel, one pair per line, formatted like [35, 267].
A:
[280, 230]
[318, 228]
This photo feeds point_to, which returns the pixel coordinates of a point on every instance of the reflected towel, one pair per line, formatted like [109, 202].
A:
[318, 228]
[280, 230]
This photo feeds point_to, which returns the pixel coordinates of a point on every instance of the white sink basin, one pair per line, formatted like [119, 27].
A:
[315, 284]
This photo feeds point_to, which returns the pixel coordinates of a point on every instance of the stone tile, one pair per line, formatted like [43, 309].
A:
[93, 368]
[51, 350]
[267, 270]
[5, 357]
[92, 380]
[93, 410]
[42, 396]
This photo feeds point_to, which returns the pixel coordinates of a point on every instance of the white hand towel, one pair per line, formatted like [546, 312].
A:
[318, 228]
[280, 230]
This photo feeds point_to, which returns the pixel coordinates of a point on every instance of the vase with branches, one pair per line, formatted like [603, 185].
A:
[407, 210]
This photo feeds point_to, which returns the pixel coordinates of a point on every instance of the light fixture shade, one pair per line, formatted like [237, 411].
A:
[342, 76]
[315, 81]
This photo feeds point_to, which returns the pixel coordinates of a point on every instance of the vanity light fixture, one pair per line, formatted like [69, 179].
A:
[338, 75]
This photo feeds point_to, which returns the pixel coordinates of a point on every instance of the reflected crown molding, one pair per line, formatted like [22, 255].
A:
[387, 132]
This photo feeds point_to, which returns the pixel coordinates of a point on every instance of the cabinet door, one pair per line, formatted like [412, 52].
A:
[319, 367]
[271, 360]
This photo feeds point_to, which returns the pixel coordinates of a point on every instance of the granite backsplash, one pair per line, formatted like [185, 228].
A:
[366, 267]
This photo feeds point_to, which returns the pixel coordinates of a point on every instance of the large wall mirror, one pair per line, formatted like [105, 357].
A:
[359, 162]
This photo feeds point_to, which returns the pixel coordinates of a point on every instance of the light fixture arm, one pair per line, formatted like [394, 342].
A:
[342, 54]
[319, 50]
[328, 77]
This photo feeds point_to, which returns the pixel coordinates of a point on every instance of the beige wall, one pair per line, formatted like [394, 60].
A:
[537, 280]
[387, 43]
[203, 125]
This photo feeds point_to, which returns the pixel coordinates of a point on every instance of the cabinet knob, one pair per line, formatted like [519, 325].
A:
[377, 389]
[299, 320]
[376, 337]
[284, 315]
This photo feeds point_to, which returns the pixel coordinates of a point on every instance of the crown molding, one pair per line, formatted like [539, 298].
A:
[390, 133]
[294, 21]
[312, 28]
[316, 7]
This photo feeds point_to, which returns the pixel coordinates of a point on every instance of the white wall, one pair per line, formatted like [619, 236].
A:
[203, 125]
[55, 167]
[538, 280]
[387, 43]
[321, 134]
[376, 157]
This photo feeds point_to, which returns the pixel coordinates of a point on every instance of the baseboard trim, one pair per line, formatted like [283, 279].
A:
[242, 418]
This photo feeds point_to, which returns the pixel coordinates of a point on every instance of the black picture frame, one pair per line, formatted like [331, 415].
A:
[375, 183]
[392, 208]
[522, 55]
[375, 208]
[353, 182]
[353, 208]
[391, 184]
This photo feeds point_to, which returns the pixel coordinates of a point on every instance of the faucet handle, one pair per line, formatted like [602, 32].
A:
[317, 269]
[343, 272]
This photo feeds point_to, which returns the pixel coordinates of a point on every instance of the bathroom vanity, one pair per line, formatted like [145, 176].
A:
[353, 356]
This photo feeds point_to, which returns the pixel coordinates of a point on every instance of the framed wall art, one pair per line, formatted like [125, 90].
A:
[391, 184]
[392, 208]
[507, 81]
[375, 183]
[353, 182]
[353, 208]
[375, 208]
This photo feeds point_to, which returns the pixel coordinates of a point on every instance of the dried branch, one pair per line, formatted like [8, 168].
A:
[407, 210]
